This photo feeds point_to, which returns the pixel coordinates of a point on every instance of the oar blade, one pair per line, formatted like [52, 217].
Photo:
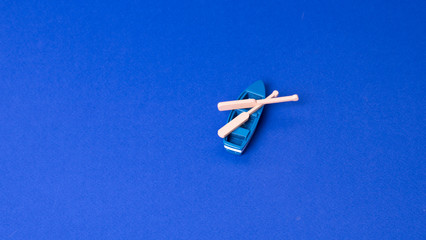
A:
[237, 104]
[234, 124]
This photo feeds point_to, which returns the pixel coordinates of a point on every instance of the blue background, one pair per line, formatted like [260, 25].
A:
[108, 120]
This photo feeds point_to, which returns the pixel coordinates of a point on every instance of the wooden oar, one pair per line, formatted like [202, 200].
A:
[242, 118]
[248, 103]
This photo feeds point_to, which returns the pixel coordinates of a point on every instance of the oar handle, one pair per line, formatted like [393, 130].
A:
[291, 98]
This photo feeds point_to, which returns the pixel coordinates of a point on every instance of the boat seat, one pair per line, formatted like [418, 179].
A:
[241, 132]
[239, 111]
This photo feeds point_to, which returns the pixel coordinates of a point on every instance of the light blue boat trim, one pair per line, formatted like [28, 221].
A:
[233, 149]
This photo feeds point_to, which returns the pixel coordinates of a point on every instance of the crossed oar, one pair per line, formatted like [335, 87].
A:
[248, 103]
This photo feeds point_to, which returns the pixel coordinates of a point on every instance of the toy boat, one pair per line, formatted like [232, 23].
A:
[238, 140]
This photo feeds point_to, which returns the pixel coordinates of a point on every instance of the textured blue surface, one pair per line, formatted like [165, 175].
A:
[108, 120]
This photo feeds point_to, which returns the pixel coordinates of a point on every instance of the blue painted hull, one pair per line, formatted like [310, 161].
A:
[237, 141]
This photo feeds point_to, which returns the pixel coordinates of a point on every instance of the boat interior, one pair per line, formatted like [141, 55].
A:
[240, 134]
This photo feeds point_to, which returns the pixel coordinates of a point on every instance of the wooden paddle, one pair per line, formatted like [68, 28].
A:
[242, 118]
[248, 103]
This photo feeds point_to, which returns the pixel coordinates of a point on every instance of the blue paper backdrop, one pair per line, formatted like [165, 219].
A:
[108, 120]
